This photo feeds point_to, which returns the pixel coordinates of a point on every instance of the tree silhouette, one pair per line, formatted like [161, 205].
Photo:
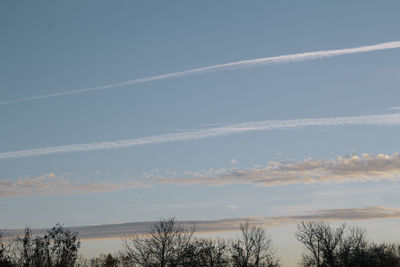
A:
[58, 248]
[321, 242]
[253, 248]
[327, 246]
[166, 243]
[211, 253]
[5, 260]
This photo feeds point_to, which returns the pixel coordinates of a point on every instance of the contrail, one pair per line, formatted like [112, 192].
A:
[387, 119]
[284, 59]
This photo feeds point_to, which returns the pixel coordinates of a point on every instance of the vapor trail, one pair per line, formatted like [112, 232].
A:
[387, 119]
[227, 66]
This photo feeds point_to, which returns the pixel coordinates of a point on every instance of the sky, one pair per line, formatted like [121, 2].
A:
[136, 110]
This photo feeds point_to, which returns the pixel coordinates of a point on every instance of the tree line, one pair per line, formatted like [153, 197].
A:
[168, 243]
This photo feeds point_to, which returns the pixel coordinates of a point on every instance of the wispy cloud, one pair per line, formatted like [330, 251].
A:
[350, 214]
[342, 169]
[386, 119]
[50, 184]
[250, 63]
[346, 214]
[123, 229]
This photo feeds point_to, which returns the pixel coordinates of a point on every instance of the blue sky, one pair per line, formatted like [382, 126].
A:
[50, 47]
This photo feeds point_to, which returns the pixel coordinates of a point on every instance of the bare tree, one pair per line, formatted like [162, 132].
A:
[254, 248]
[341, 246]
[353, 248]
[211, 253]
[321, 242]
[385, 255]
[166, 243]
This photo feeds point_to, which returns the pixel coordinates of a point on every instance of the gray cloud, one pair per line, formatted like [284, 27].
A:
[207, 226]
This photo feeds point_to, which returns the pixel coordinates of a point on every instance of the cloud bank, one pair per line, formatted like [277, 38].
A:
[250, 63]
[386, 119]
[215, 226]
[342, 169]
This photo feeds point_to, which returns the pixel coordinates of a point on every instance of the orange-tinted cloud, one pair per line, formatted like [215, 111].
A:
[342, 169]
